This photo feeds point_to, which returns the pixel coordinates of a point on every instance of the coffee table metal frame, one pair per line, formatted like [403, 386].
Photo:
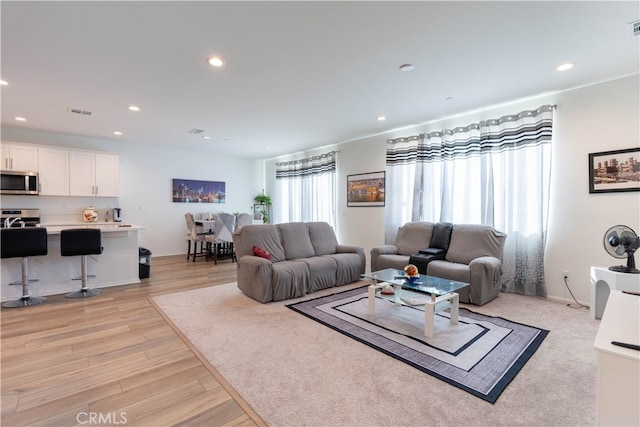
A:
[441, 292]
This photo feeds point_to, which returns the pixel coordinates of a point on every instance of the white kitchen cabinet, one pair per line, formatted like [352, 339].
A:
[82, 172]
[93, 174]
[53, 168]
[107, 173]
[19, 157]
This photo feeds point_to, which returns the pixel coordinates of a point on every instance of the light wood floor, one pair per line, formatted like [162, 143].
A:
[113, 359]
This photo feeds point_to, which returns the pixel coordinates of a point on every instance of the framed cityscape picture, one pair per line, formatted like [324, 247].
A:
[193, 191]
[614, 171]
[366, 189]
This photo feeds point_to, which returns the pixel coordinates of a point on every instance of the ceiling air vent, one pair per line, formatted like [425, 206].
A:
[195, 131]
[635, 28]
[79, 111]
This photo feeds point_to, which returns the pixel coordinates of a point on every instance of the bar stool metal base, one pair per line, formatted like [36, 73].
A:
[24, 302]
[84, 293]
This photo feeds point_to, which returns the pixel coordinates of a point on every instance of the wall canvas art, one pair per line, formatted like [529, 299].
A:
[366, 189]
[193, 191]
[614, 171]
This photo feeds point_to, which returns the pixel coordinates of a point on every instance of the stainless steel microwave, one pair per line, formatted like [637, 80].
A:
[19, 183]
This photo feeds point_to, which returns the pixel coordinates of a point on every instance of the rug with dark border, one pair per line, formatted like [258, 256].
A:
[481, 354]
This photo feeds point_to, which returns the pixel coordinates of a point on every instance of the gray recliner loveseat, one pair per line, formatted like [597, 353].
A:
[282, 261]
[474, 256]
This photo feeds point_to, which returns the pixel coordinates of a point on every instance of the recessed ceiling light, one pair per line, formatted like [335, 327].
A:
[406, 67]
[565, 66]
[381, 118]
[215, 61]
[134, 108]
[206, 137]
[3, 83]
[20, 119]
[117, 132]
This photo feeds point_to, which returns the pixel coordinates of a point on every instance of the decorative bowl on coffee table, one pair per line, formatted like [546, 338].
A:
[411, 274]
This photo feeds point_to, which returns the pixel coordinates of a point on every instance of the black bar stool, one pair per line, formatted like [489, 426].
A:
[83, 242]
[23, 243]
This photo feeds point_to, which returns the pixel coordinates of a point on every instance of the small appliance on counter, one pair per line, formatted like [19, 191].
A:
[10, 218]
[90, 214]
[117, 215]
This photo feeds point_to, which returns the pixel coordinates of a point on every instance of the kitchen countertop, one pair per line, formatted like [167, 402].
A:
[105, 227]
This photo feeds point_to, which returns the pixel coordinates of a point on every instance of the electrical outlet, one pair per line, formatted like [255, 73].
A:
[565, 274]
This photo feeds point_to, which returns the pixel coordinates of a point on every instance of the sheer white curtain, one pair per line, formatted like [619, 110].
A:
[495, 172]
[306, 190]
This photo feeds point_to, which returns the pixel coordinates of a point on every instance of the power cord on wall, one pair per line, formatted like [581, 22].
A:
[578, 305]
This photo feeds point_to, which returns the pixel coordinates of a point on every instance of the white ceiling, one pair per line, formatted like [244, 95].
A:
[298, 75]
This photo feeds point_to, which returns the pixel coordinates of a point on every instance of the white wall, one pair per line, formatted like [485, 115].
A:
[598, 118]
[146, 174]
[591, 119]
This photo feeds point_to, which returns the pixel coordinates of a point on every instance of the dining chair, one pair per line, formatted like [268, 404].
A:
[222, 245]
[243, 219]
[194, 236]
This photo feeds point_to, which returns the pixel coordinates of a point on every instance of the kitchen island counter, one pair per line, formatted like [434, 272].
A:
[106, 227]
[117, 265]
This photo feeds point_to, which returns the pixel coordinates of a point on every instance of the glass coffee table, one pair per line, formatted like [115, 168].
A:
[428, 293]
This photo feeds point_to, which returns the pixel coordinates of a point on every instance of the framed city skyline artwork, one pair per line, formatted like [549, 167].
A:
[193, 191]
[366, 189]
[614, 171]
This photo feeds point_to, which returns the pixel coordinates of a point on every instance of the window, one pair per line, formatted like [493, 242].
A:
[495, 172]
[306, 190]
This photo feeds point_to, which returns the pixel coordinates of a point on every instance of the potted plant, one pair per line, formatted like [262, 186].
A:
[265, 201]
[262, 199]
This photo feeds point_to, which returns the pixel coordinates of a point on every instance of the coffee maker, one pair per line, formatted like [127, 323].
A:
[117, 215]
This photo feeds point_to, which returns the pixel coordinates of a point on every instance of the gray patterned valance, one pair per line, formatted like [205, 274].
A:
[323, 163]
[494, 135]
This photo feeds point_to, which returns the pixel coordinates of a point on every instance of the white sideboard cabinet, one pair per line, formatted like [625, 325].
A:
[93, 174]
[603, 281]
[618, 395]
[19, 157]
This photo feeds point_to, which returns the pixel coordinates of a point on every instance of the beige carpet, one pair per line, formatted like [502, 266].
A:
[294, 371]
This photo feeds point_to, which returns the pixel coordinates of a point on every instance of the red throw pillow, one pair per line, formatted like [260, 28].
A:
[261, 253]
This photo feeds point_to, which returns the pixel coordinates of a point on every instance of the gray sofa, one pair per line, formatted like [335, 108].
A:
[474, 256]
[304, 258]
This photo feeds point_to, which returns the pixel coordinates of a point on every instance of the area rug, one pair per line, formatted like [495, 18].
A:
[481, 354]
[294, 371]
